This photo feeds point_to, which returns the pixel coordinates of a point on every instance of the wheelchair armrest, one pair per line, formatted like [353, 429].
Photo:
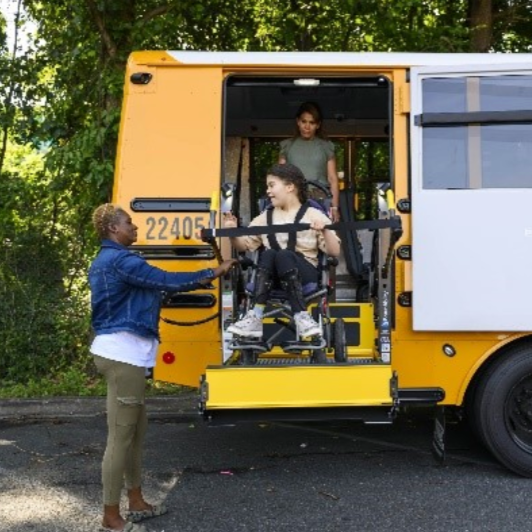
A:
[332, 261]
[249, 265]
[326, 262]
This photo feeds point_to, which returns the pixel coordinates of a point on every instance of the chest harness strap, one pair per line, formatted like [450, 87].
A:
[292, 235]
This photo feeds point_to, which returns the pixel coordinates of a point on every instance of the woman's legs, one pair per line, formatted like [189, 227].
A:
[126, 422]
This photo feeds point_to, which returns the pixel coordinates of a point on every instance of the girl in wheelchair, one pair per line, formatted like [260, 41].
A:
[288, 259]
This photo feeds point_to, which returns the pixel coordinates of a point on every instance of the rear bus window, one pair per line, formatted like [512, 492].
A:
[477, 132]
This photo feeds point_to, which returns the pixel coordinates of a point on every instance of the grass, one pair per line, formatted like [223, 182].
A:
[75, 382]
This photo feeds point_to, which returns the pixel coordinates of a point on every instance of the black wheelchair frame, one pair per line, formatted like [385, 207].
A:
[333, 338]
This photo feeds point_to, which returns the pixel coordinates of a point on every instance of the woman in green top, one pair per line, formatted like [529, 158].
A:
[310, 150]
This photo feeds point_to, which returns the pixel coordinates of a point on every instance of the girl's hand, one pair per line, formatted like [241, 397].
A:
[229, 220]
[318, 225]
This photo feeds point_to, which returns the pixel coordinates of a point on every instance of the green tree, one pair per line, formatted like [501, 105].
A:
[60, 109]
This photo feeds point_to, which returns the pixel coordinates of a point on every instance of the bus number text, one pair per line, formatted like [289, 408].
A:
[164, 228]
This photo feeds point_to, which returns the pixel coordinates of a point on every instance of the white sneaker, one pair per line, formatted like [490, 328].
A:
[306, 326]
[249, 325]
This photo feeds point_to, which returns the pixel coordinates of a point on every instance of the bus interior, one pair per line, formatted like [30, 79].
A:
[259, 112]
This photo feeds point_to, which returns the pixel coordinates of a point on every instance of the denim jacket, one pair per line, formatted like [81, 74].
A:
[126, 291]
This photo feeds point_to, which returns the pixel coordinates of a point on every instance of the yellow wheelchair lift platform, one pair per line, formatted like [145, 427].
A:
[365, 392]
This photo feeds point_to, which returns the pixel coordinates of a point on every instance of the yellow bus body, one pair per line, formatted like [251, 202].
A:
[170, 144]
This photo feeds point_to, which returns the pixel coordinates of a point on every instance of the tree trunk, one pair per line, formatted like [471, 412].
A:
[481, 25]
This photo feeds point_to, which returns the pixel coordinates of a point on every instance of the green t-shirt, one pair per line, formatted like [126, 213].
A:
[310, 156]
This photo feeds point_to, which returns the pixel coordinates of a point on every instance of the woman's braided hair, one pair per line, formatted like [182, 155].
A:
[290, 173]
[104, 217]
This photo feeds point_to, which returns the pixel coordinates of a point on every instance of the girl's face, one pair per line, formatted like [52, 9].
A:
[307, 126]
[124, 231]
[278, 190]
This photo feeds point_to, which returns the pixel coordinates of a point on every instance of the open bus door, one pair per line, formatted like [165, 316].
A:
[471, 196]
[471, 140]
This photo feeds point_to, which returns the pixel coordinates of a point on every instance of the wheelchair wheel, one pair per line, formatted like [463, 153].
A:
[340, 347]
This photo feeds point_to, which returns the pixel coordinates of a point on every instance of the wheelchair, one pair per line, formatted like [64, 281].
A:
[280, 343]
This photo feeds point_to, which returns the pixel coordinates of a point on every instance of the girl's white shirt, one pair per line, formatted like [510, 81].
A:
[307, 242]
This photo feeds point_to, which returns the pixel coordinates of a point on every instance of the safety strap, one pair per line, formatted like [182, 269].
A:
[208, 233]
[238, 191]
[292, 235]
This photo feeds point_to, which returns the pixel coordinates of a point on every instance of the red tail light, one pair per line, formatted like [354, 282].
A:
[168, 357]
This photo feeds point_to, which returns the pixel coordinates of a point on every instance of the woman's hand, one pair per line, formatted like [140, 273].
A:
[229, 220]
[224, 267]
[334, 214]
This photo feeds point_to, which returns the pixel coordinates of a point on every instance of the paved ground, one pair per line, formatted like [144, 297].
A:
[274, 477]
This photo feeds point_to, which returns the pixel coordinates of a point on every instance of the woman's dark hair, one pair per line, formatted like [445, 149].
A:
[313, 109]
[290, 173]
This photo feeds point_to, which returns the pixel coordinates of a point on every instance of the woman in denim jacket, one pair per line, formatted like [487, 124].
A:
[126, 295]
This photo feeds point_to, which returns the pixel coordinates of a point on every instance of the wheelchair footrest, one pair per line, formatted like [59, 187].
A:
[252, 345]
[298, 346]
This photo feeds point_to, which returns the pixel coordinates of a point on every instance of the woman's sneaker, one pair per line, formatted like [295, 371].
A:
[249, 325]
[306, 326]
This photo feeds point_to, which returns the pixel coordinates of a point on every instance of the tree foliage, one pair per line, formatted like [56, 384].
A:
[60, 106]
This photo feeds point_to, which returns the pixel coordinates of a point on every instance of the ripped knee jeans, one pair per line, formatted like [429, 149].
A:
[126, 423]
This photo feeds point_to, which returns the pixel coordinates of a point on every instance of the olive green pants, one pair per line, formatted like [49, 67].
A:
[126, 423]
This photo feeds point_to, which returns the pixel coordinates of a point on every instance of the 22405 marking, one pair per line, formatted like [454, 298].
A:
[164, 228]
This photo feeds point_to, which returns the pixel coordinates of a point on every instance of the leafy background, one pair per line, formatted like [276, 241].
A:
[60, 97]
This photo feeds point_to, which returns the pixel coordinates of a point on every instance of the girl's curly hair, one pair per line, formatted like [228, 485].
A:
[290, 173]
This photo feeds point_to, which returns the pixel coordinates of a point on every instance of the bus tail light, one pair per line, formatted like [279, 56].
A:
[168, 357]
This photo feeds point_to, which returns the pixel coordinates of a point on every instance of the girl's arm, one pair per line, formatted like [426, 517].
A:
[332, 242]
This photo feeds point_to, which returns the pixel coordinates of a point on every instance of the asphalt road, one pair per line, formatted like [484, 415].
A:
[275, 477]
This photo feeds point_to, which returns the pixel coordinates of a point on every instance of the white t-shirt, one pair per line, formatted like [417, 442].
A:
[126, 347]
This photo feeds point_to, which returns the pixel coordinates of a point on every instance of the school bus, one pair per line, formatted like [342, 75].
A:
[439, 315]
